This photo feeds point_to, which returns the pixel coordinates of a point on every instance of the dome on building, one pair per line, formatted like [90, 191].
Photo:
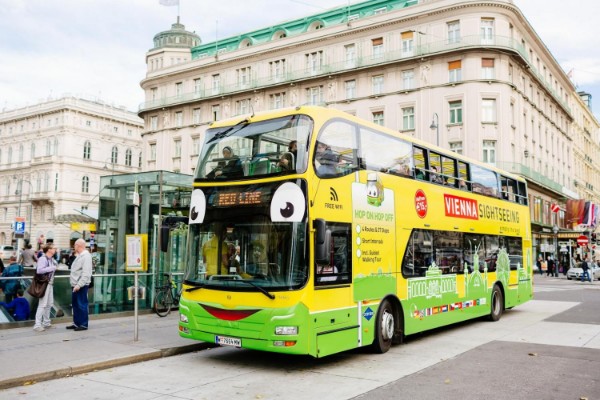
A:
[177, 36]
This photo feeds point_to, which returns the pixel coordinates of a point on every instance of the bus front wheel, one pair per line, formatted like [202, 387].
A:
[384, 328]
[497, 301]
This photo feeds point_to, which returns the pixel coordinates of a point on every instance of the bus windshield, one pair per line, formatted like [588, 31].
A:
[239, 245]
[275, 146]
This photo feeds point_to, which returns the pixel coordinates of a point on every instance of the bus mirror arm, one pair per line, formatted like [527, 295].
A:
[322, 241]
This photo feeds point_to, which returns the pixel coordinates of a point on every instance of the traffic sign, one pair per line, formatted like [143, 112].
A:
[582, 240]
[20, 227]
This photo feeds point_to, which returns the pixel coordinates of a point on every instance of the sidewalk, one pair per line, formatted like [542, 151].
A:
[58, 352]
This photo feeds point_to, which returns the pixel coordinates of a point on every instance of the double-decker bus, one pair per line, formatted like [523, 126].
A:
[314, 232]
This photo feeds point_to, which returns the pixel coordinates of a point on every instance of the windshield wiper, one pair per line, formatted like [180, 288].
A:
[196, 287]
[229, 131]
[260, 289]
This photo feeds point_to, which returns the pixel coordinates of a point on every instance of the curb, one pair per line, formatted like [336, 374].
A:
[118, 362]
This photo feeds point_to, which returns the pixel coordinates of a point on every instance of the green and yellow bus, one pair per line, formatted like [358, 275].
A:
[314, 232]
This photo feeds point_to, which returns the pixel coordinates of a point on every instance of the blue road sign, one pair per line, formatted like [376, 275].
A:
[20, 227]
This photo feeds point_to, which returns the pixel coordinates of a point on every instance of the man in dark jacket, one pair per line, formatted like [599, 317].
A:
[10, 286]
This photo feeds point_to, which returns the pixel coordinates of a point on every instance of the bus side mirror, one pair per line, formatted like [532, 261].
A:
[322, 241]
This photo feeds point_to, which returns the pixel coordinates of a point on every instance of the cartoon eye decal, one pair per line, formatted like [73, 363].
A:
[288, 203]
[197, 207]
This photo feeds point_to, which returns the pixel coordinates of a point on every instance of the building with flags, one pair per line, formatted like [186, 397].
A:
[471, 76]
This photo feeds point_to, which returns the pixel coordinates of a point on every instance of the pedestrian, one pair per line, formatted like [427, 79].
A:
[538, 263]
[10, 286]
[28, 257]
[585, 276]
[550, 263]
[45, 265]
[80, 278]
[19, 307]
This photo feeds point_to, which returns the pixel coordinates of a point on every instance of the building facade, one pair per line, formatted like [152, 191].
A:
[470, 76]
[52, 156]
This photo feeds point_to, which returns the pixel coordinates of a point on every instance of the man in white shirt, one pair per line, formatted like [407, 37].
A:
[80, 278]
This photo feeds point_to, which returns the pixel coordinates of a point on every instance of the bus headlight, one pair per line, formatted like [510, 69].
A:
[286, 330]
[183, 318]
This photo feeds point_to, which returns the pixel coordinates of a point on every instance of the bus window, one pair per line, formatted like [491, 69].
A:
[418, 256]
[448, 254]
[509, 189]
[463, 174]
[435, 168]
[335, 267]
[523, 199]
[474, 252]
[420, 163]
[385, 153]
[484, 181]
[449, 171]
[514, 248]
[338, 154]
[492, 247]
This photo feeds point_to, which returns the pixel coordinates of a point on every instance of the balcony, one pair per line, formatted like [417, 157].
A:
[528, 173]
[422, 50]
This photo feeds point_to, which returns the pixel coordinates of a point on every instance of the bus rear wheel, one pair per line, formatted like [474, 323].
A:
[384, 328]
[497, 302]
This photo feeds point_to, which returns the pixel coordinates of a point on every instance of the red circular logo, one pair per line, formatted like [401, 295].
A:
[421, 203]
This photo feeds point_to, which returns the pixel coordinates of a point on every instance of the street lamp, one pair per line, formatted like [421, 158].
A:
[435, 124]
[555, 229]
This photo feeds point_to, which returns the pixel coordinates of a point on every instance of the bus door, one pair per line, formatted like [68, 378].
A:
[336, 326]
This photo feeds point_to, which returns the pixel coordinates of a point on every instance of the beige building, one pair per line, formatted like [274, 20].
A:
[471, 76]
[52, 155]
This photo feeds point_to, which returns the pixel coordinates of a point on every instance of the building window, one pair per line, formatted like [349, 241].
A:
[377, 47]
[128, 157]
[140, 160]
[154, 93]
[489, 152]
[243, 106]
[87, 150]
[177, 148]
[196, 116]
[216, 112]
[454, 32]
[152, 152]
[350, 89]
[277, 69]
[21, 151]
[314, 62]
[487, 68]
[408, 79]
[407, 44]
[114, 156]
[408, 118]
[48, 148]
[197, 87]
[377, 84]
[378, 118]
[455, 112]
[314, 95]
[85, 185]
[32, 152]
[87, 123]
[350, 58]
[153, 123]
[454, 71]
[216, 84]
[243, 75]
[178, 89]
[487, 31]
[179, 119]
[456, 147]
[488, 110]
[277, 100]
[195, 146]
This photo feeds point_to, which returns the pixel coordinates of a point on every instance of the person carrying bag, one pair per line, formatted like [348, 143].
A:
[46, 265]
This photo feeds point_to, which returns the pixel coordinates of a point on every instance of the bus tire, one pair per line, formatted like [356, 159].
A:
[497, 304]
[384, 328]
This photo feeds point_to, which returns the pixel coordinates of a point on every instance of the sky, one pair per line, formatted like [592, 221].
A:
[96, 49]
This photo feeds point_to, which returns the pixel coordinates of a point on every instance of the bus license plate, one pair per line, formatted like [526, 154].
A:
[228, 341]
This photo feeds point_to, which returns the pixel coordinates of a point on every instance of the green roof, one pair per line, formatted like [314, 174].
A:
[336, 16]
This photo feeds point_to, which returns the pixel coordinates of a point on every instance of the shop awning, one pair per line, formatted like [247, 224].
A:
[78, 222]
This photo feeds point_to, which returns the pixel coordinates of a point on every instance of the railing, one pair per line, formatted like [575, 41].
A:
[420, 50]
[520, 169]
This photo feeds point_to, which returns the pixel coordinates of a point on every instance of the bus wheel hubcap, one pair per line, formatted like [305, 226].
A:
[387, 325]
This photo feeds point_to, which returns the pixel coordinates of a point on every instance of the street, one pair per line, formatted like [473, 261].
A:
[548, 348]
